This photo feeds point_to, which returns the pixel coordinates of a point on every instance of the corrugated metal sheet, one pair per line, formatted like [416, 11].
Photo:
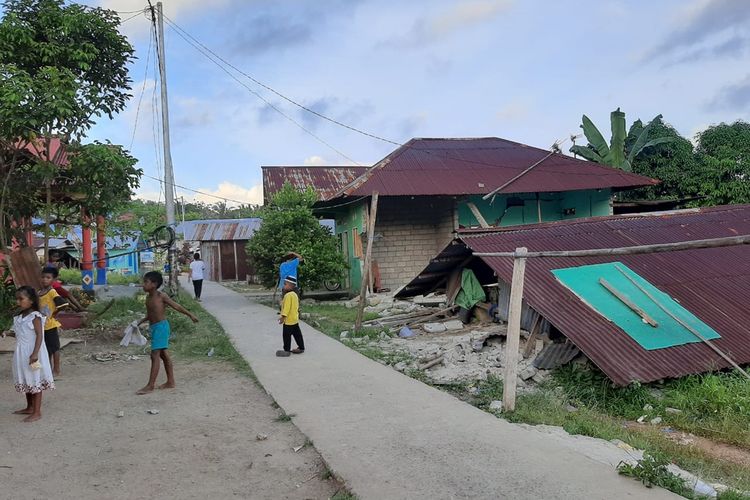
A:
[220, 230]
[714, 284]
[325, 180]
[479, 165]
[554, 355]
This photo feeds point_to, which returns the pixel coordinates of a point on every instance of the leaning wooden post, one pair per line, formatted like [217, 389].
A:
[514, 330]
[368, 256]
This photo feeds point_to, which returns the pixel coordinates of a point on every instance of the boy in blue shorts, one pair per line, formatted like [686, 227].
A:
[156, 315]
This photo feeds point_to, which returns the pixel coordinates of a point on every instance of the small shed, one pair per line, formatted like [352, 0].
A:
[222, 246]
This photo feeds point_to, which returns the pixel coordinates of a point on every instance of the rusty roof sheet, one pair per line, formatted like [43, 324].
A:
[713, 284]
[221, 230]
[325, 180]
[479, 165]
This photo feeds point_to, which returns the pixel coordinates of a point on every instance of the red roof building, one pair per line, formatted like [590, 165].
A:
[429, 188]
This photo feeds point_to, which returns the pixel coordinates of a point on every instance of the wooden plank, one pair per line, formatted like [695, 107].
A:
[536, 328]
[628, 302]
[477, 215]
[684, 324]
[514, 330]
[635, 250]
[368, 257]
[25, 268]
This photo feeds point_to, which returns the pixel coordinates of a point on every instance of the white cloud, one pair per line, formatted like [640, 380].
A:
[149, 196]
[465, 14]
[315, 160]
[230, 191]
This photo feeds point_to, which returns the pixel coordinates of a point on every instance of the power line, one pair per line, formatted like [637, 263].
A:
[143, 88]
[131, 17]
[199, 192]
[288, 99]
[259, 96]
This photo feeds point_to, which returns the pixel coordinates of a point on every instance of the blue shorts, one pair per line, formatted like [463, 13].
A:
[160, 335]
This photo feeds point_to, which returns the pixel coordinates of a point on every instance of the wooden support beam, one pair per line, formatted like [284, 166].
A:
[536, 329]
[514, 330]
[368, 257]
[635, 250]
[477, 215]
[628, 302]
[686, 325]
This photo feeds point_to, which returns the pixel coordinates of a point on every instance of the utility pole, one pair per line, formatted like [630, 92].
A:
[168, 171]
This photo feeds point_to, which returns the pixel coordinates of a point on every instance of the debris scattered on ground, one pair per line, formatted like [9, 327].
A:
[152, 412]
[105, 357]
[656, 421]
[261, 437]
[210, 352]
[406, 332]
[298, 448]
[344, 334]
[496, 406]
[648, 408]
[673, 411]
[120, 414]
[434, 327]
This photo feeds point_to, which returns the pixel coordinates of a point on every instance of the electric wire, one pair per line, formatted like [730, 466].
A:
[259, 96]
[270, 89]
[143, 88]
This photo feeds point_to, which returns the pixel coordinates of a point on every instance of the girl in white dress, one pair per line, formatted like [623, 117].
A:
[32, 372]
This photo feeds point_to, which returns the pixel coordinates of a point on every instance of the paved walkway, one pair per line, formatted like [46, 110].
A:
[391, 437]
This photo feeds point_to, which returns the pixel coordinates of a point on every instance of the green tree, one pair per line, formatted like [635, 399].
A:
[623, 147]
[290, 226]
[61, 66]
[673, 163]
[723, 154]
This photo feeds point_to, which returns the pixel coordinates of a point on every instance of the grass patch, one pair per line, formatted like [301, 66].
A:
[285, 417]
[343, 495]
[652, 471]
[551, 405]
[189, 340]
[713, 405]
[73, 277]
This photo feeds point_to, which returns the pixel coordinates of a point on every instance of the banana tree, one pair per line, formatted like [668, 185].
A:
[623, 146]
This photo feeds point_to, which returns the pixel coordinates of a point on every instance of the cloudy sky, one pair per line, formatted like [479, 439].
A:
[524, 70]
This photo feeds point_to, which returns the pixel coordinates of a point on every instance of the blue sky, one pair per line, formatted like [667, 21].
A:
[524, 70]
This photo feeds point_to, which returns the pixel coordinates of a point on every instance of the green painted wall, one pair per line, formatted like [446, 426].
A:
[516, 209]
[351, 219]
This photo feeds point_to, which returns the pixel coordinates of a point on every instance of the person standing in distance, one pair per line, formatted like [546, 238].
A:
[196, 274]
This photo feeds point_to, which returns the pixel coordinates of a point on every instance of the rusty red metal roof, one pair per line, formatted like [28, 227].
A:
[479, 165]
[714, 284]
[52, 150]
[220, 230]
[325, 180]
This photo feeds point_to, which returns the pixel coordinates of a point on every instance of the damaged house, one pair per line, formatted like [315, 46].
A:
[583, 301]
[430, 188]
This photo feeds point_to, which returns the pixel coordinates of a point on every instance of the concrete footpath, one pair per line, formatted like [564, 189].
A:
[391, 437]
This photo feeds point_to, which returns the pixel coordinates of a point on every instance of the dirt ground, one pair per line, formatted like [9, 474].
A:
[202, 443]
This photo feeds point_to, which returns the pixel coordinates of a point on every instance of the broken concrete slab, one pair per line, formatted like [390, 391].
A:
[528, 373]
[454, 324]
[434, 327]
[496, 405]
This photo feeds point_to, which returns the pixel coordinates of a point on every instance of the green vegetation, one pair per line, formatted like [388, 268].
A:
[652, 470]
[624, 146]
[289, 225]
[284, 417]
[73, 277]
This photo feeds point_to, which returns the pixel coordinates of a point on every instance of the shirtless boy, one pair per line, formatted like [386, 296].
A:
[156, 309]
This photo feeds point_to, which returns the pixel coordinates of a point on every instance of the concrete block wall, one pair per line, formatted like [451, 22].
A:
[408, 233]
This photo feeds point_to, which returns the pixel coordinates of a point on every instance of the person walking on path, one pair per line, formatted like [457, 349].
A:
[196, 274]
[156, 315]
[32, 370]
[289, 318]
